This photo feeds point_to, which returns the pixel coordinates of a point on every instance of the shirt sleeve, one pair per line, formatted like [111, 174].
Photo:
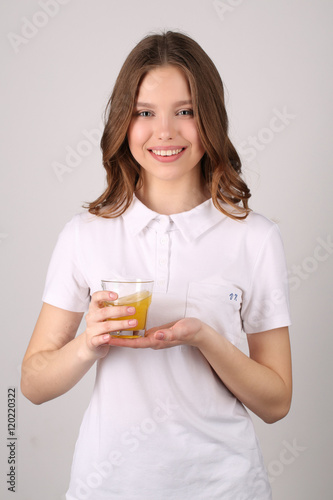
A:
[65, 285]
[266, 303]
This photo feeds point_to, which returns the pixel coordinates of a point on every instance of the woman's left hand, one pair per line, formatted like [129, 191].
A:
[185, 331]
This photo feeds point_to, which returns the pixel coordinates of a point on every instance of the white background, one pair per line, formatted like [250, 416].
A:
[57, 73]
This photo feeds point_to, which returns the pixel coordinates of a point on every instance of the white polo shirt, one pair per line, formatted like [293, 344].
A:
[161, 425]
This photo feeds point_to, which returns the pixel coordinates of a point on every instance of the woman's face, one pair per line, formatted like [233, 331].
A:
[163, 135]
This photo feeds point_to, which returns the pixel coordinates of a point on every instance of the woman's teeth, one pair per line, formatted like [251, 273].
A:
[167, 152]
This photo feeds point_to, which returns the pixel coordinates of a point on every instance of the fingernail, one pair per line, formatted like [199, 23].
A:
[159, 335]
[131, 310]
[132, 322]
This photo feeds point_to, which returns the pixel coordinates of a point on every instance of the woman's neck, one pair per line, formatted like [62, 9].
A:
[168, 198]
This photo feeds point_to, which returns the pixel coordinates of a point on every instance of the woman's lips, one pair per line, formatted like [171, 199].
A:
[166, 155]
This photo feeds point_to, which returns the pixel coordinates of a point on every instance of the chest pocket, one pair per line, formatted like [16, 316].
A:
[218, 305]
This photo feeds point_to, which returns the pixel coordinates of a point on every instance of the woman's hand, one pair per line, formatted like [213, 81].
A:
[97, 333]
[185, 331]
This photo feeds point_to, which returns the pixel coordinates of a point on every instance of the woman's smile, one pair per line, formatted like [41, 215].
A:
[167, 154]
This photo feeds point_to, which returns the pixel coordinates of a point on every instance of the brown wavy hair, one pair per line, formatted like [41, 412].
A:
[221, 165]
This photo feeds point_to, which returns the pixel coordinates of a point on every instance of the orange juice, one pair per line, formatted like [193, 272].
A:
[141, 301]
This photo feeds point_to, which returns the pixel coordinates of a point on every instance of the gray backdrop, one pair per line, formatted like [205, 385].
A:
[60, 59]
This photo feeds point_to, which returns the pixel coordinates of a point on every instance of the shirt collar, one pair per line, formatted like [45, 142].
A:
[191, 224]
[138, 216]
[197, 221]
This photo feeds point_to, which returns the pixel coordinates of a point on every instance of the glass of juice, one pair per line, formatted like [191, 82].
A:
[131, 292]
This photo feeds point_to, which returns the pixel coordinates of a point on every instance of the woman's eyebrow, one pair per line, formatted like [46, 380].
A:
[151, 105]
[183, 103]
[144, 105]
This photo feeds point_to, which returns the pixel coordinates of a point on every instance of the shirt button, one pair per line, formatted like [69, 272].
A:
[160, 282]
[162, 261]
[163, 240]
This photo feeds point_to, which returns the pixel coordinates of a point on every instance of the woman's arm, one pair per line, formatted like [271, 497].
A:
[262, 382]
[51, 364]
[55, 359]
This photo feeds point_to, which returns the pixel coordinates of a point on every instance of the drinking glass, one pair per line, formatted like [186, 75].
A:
[131, 293]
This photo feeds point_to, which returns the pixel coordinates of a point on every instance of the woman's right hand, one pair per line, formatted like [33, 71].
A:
[98, 330]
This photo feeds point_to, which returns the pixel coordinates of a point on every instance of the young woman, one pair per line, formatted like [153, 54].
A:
[167, 418]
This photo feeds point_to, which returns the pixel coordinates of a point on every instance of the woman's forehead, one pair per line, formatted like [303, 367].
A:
[164, 79]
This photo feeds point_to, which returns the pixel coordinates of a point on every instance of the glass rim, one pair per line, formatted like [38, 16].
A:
[137, 280]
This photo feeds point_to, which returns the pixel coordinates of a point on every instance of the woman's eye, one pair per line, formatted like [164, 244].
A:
[185, 112]
[144, 113]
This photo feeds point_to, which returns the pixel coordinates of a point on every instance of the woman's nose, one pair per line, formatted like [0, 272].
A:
[165, 129]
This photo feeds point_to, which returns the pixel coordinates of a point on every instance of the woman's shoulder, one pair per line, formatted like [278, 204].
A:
[255, 229]
[253, 221]
[84, 218]
[258, 221]
[261, 231]
[88, 220]
[85, 224]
